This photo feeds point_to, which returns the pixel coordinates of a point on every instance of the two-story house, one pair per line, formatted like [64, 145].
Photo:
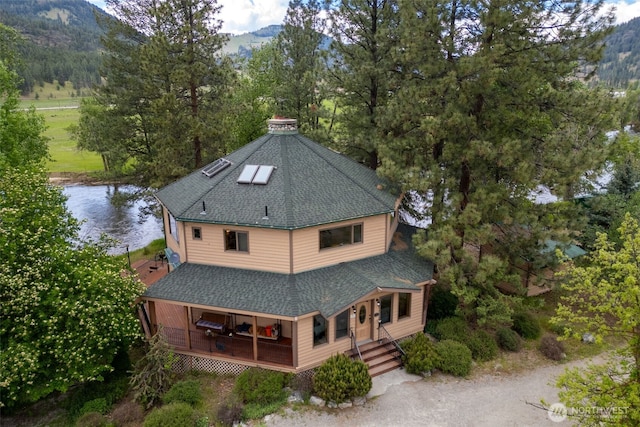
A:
[282, 254]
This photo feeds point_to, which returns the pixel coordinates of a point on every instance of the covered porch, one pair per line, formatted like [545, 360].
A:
[232, 341]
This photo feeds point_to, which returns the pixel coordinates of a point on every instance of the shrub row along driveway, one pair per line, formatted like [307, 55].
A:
[484, 400]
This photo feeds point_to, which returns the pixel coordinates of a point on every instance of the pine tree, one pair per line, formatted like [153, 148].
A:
[488, 107]
[300, 93]
[166, 85]
[364, 34]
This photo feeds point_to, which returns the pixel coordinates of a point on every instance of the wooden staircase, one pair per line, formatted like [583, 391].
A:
[381, 356]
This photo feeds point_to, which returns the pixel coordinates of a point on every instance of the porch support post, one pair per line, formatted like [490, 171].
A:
[294, 342]
[153, 319]
[187, 335]
[255, 338]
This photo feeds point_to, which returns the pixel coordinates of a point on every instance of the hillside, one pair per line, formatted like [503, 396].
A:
[621, 62]
[62, 40]
[242, 44]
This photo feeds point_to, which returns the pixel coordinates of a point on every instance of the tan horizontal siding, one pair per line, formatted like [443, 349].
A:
[307, 254]
[310, 356]
[268, 249]
[399, 328]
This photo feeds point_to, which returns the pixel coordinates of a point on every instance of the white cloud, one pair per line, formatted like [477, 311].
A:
[242, 16]
[625, 11]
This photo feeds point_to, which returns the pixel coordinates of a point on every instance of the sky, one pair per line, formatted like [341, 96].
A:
[243, 16]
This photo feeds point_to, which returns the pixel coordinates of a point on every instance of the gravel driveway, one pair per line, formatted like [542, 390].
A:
[495, 399]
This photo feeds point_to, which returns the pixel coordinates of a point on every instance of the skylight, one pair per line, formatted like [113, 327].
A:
[256, 174]
[247, 174]
[216, 167]
[263, 175]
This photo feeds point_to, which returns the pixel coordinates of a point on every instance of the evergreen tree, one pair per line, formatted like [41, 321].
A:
[253, 98]
[364, 34]
[300, 93]
[487, 108]
[166, 86]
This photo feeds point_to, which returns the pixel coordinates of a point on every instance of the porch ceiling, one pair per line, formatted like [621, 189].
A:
[328, 290]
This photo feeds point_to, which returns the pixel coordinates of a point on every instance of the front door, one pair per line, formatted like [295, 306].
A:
[364, 320]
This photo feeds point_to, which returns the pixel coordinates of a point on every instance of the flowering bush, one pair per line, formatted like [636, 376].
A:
[67, 308]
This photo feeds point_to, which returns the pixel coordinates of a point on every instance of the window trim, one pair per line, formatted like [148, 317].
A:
[346, 330]
[198, 231]
[352, 235]
[173, 227]
[237, 242]
[384, 297]
[407, 314]
[325, 338]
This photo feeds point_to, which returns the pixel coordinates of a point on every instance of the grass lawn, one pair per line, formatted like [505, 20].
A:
[58, 105]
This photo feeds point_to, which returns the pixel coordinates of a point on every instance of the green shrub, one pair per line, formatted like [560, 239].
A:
[482, 345]
[184, 391]
[260, 386]
[552, 348]
[431, 326]
[98, 405]
[526, 325]
[92, 419]
[452, 328]
[442, 304]
[171, 415]
[508, 339]
[340, 379]
[453, 358]
[420, 354]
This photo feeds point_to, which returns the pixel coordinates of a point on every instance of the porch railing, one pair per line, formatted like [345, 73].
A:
[232, 346]
[383, 334]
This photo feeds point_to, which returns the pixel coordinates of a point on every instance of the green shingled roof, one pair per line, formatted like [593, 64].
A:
[329, 290]
[311, 185]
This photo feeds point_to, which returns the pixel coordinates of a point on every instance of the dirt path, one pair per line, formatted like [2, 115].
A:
[407, 400]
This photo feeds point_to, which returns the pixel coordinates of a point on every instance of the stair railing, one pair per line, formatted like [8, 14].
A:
[383, 334]
[354, 343]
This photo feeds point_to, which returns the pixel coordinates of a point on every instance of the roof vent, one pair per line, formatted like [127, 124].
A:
[282, 126]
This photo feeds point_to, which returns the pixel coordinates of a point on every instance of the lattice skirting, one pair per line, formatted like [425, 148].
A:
[186, 363]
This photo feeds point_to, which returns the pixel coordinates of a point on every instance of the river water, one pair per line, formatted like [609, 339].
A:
[92, 204]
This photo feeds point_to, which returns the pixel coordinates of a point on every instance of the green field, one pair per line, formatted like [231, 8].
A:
[58, 105]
